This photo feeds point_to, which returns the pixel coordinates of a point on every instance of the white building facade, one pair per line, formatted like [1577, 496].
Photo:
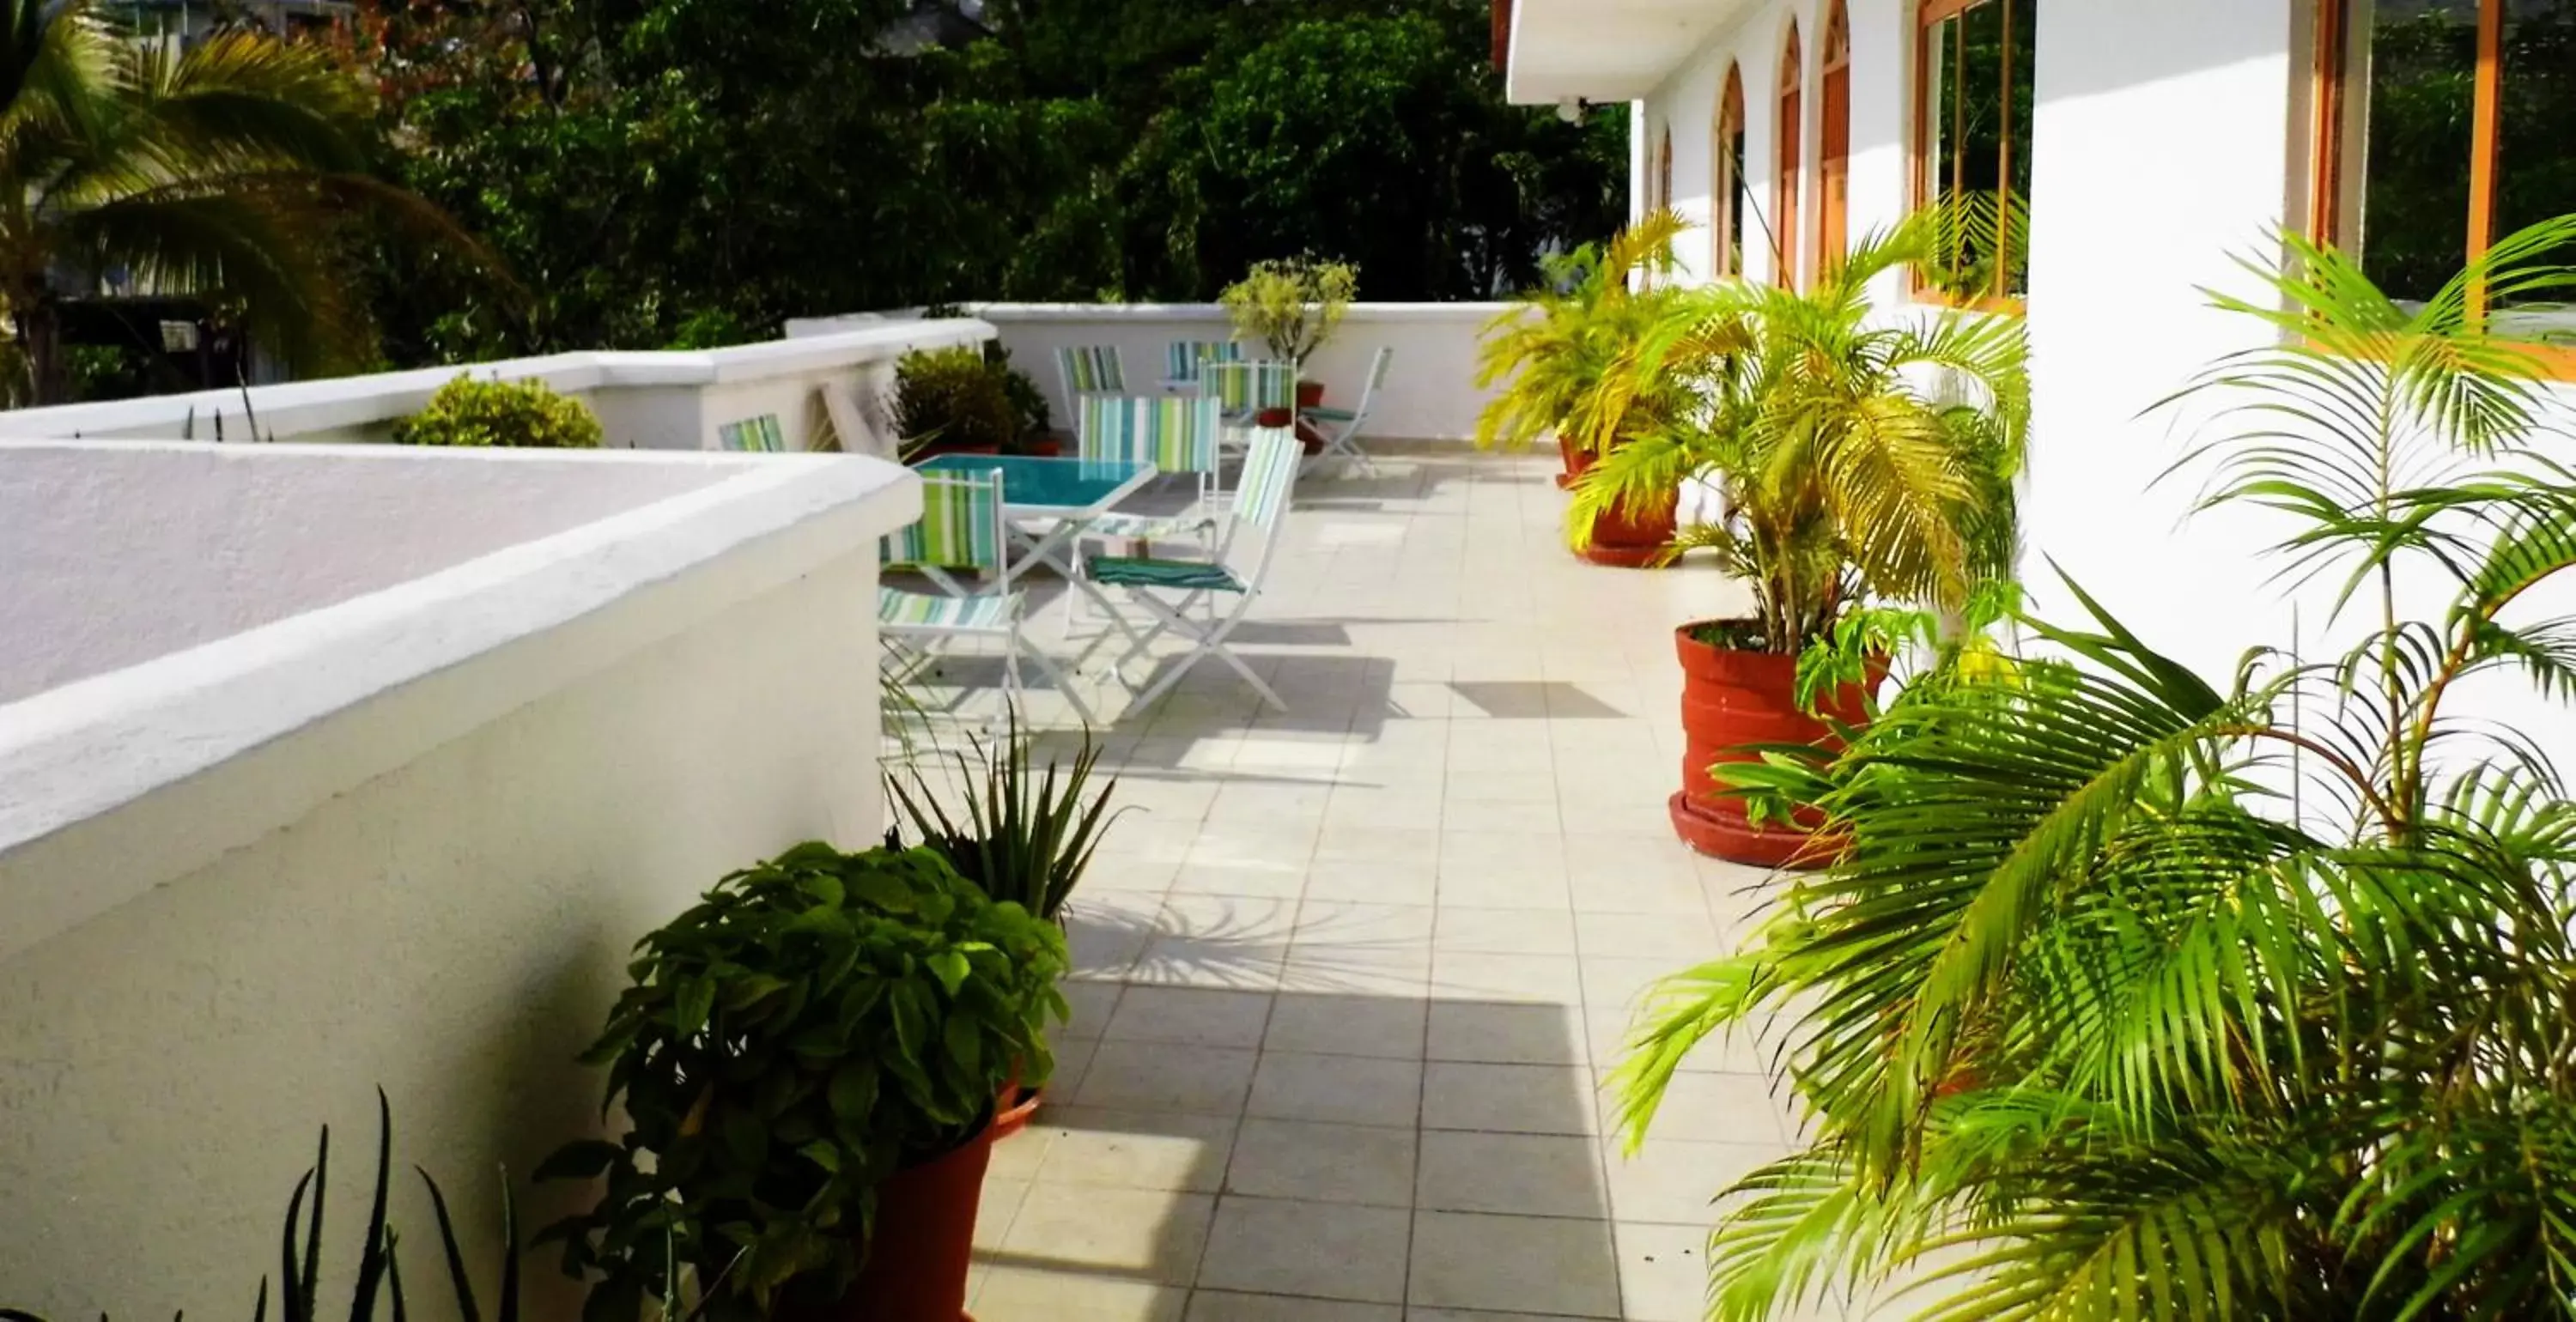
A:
[2157, 146]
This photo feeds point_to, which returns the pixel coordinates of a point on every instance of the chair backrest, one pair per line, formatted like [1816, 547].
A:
[960, 526]
[1174, 433]
[1090, 369]
[1376, 378]
[760, 435]
[850, 424]
[1261, 498]
[1183, 361]
[1245, 387]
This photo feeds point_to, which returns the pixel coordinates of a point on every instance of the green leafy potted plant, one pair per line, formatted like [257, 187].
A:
[2143, 993]
[1849, 484]
[473, 412]
[809, 1059]
[1293, 306]
[962, 400]
[1561, 363]
[1018, 833]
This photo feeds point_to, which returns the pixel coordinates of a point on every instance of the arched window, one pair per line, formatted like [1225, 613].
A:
[1975, 63]
[1787, 164]
[1833, 149]
[1726, 198]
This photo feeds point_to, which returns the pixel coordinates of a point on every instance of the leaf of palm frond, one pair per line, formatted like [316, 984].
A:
[245, 101]
[1795, 1229]
[264, 246]
[1891, 472]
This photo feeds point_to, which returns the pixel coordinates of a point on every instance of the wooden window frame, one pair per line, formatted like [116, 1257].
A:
[1928, 15]
[2330, 102]
[1833, 141]
[1788, 162]
[1725, 171]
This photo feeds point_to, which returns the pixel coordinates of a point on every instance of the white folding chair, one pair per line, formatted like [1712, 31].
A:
[1251, 539]
[1245, 391]
[1340, 428]
[757, 435]
[961, 528]
[1185, 359]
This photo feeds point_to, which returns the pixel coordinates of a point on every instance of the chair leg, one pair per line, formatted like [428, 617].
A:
[1208, 643]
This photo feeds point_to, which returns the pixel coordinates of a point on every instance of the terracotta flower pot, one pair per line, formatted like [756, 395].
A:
[1013, 1110]
[1576, 461]
[1732, 698]
[1310, 394]
[1629, 540]
[1274, 417]
[925, 1241]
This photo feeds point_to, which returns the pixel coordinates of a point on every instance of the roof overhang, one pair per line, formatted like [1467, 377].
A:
[1600, 50]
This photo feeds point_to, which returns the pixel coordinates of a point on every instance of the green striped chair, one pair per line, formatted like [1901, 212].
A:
[1243, 390]
[1169, 590]
[1176, 434]
[1183, 361]
[760, 435]
[1340, 428]
[1090, 369]
[961, 529]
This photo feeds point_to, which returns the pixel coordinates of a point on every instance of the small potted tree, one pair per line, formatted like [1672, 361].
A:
[966, 401]
[1561, 364]
[519, 414]
[1866, 467]
[809, 1059]
[1293, 306]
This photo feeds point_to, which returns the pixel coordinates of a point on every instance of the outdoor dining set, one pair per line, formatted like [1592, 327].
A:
[1228, 426]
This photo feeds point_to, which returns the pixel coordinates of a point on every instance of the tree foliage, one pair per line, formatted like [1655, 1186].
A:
[666, 172]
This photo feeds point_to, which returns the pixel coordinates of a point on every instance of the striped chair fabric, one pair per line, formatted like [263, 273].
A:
[1091, 369]
[1376, 381]
[1248, 387]
[1269, 475]
[760, 435]
[960, 525]
[987, 612]
[1183, 361]
[1174, 433]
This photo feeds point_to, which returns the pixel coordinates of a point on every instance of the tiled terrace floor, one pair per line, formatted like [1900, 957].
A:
[1349, 977]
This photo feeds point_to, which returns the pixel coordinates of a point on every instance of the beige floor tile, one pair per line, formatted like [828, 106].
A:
[1142, 1235]
[1516, 1263]
[1504, 931]
[1392, 844]
[1663, 1271]
[1729, 1108]
[1508, 1099]
[1020, 1294]
[1323, 1163]
[1520, 1174]
[1167, 1150]
[1678, 939]
[1193, 1015]
[1337, 1089]
[1092, 1004]
[1347, 1025]
[1673, 1179]
[1487, 1032]
[1397, 973]
[1614, 983]
[1377, 881]
[1485, 885]
[1001, 1202]
[1505, 979]
[1339, 922]
[1226, 1306]
[1018, 1156]
[1474, 817]
[1738, 1052]
[1319, 1250]
[1161, 1076]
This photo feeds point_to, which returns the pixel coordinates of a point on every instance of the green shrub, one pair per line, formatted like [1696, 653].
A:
[815, 1024]
[965, 398]
[528, 414]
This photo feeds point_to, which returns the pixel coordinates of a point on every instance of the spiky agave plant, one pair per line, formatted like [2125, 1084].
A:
[2139, 995]
[379, 1270]
[1020, 833]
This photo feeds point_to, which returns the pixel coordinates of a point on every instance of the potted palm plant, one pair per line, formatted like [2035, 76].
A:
[1853, 482]
[809, 1059]
[1018, 833]
[1560, 363]
[1293, 306]
[2246, 995]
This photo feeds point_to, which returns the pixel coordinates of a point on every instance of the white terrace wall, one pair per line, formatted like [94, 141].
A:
[430, 822]
[654, 401]
[1430, 391]
[2169, 142]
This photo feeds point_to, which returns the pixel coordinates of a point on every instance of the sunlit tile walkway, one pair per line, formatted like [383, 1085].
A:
[1349, 976]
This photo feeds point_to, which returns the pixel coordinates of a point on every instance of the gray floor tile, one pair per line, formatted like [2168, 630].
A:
[1524, 1174]
[1320, 1250]
[1517, 1263]
[1342, 1089]
[1323, 1163]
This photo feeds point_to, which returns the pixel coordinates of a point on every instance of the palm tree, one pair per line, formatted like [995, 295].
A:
[1845, 476]
[1556, 353]
[2141, 995]
[224, 173]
